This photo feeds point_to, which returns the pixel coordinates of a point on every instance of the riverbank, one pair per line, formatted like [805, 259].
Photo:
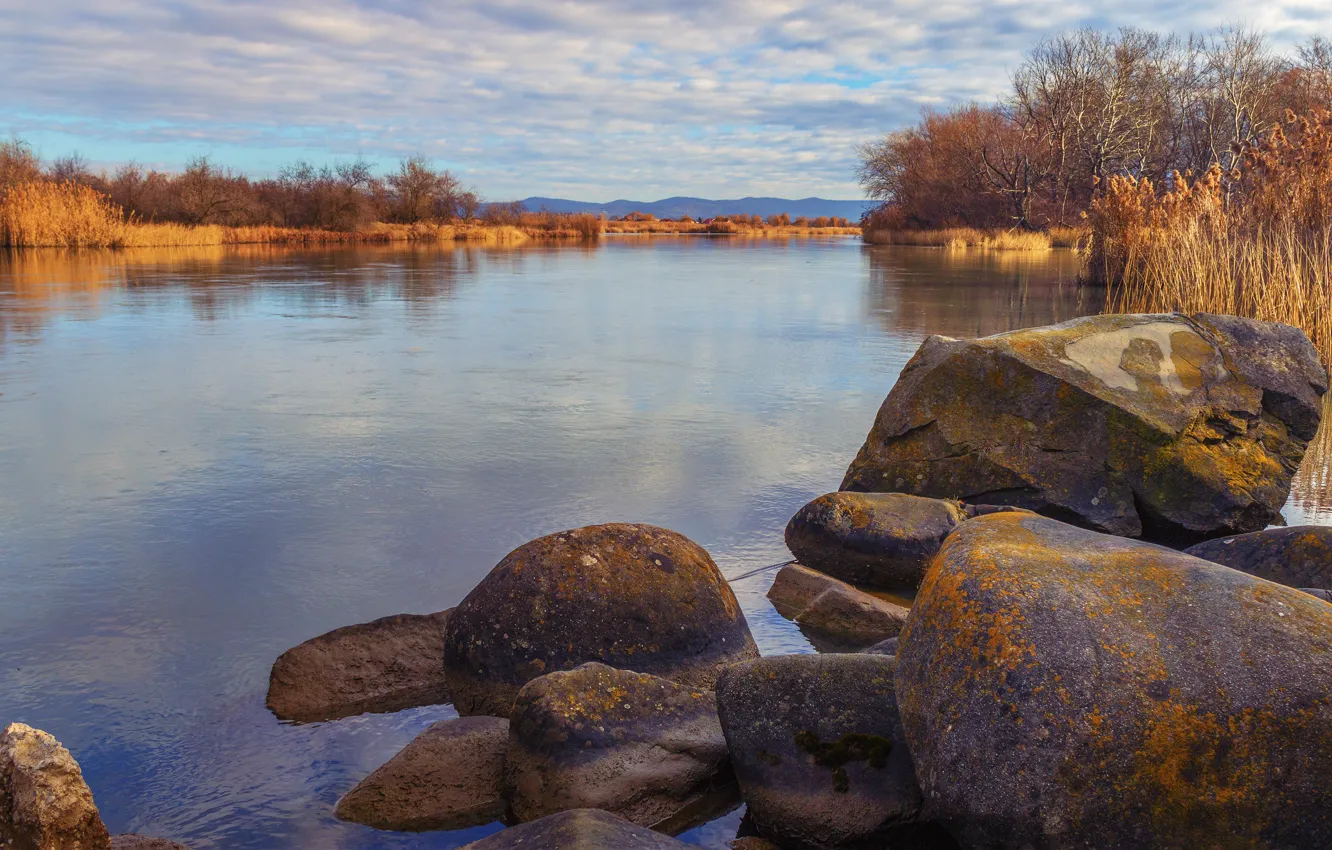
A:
[958, 238]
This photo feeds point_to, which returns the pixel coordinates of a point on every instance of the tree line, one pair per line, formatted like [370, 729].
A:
[1084, 106]
[345, 195]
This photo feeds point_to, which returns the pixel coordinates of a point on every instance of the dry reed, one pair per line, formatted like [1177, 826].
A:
[961, 238]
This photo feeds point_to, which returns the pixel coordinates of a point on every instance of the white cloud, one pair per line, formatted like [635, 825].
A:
[592, 99]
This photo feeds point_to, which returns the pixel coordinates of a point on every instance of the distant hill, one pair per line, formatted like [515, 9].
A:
[700, 208]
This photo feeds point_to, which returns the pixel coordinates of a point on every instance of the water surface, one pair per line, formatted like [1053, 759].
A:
[211, 455]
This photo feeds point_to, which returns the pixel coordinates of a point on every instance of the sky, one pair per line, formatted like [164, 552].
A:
[586, 99]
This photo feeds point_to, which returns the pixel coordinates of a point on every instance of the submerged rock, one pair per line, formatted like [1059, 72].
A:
[831, 611]
[1062, 688]
[1163, 426]
[132, 841]
[876, 539]
[448, 777]
[385, 665]
[44, 802]
[1318, 593]
[580, 829]
[1299, 557]
[818, 749]
[629, 596]
[637, 745]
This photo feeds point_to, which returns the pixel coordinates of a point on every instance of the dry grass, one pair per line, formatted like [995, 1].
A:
[724, 228]
[960, 238]
[1253, 242]
[70, 215]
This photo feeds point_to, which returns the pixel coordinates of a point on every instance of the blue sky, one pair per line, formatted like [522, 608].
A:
[589, 99]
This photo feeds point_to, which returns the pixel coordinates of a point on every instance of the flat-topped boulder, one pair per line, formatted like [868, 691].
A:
[1300, 556]
[1062, 688]
[833, 612]
[579, 829]
[635, 597]
[388, 664]
[1165, 426]
[449, 777]
[44, 802]
[637, 745]
[818, 749]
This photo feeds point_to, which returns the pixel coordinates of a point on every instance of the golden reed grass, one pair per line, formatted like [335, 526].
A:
[1255, 241]
[70, 215]
[961, 238]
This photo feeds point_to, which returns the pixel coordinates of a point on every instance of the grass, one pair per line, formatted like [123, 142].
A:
[961, 238]
[1255, 241]
[725, 228]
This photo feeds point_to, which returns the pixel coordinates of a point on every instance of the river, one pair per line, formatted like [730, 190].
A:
[211, 455]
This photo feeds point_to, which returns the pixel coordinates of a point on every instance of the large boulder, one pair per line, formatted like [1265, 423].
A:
[389, 664]
[1169, 427]
[635, 597]
[876, 539]
[1299, 557]
[637, 745]
[449, 777]
[44, 802]
[832, 613]
[1061, 688]
[580, 829]
[818, 749]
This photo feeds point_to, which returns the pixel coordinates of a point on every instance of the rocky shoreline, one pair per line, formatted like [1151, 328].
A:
[1061, 678]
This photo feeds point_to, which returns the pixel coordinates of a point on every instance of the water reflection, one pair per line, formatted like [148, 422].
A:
[209, 455]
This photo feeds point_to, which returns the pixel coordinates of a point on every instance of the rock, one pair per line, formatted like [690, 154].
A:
[1318, 593]
[817, 747]
[752, 842]
[44, 802]
[630, 596]
[385, 665]
[1169, 427]
[1061, 688]
[1299, 557]
[132, 841]
[448, 777]
[876, 539]
[833, 612]
[637, 745]
[580, 829]
[883, 647]
[851, 617]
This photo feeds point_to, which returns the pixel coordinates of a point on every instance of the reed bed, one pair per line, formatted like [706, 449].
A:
[725, 228]
[961, 238]
[1254, 241]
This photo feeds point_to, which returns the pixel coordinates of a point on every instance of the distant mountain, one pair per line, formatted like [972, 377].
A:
[700, 208]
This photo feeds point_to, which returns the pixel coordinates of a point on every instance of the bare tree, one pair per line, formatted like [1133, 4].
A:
[18, 163]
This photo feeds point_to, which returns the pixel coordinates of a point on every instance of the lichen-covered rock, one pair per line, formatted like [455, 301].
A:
[1299, 557]
[449, 777]
[637, 745]
[635, 597]
[832, 612]
[1168, 426]
[388, 664]
[818, 750]
[1061, 688]
[580, 829]
[876, 539]
[44, 802]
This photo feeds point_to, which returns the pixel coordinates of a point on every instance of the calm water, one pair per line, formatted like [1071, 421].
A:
[208, 456]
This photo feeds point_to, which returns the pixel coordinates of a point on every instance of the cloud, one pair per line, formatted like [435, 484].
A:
[591, 98]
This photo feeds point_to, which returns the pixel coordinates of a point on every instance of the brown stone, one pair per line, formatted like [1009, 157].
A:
[44, 802]
[580, 829]
[636, 745]
[388, 664]
[448, 777]
[1062, 688]
[630, 596]
[875, 539]
[1170, 427]
[1298, 557]
[852, 617]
